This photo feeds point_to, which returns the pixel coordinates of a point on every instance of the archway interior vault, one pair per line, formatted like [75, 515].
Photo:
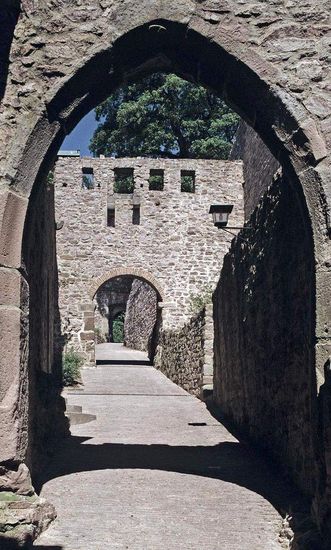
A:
[166, 46]
[136, 300]
[172, 47]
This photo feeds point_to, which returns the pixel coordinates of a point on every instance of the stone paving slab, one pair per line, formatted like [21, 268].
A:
[118, 351]
[156, 472]
[127, 380]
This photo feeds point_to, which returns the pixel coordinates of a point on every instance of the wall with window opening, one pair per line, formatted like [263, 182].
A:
[138, 215]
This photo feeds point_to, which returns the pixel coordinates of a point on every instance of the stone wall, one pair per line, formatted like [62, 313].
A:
[47, 424]
[66, 57]
[259, 165]
[264, 379]
[140, 316]
[184, 355]
[38, 419]
[175, 243]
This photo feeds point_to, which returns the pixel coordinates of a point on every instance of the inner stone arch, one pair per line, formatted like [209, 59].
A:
[127, 271]
[127, 311]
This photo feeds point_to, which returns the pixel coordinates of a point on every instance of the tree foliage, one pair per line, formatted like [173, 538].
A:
[164, 116]
[118, 328]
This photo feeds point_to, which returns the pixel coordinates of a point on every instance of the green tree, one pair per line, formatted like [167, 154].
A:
[164, 116]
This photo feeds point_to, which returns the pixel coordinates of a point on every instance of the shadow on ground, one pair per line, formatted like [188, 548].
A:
[6, 544]
[231, 462]
[125, 362]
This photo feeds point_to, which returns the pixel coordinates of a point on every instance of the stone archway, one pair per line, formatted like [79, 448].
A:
[94, 285]
[198, 43]
[225, 48]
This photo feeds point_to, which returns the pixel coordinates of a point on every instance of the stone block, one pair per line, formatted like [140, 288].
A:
[10, 332]
[9, 427]
[87, 307]
[10, 287]
[89, 324]
[18, 481]
[86, 336]
[12, 217]
[23, 518]
[317, 144]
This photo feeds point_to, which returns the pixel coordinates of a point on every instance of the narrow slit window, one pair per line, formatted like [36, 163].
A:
[87, 178]
[111, 217]
[187, 181]
[156, 180]
[136, 214]
[124, 181]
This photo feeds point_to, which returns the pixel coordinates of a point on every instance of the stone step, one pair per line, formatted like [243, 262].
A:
[73, 409]
[206, 392]
[79, 418]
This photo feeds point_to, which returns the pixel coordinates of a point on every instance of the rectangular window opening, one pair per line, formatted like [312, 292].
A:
[87, 178]
[124, 181]
[111, 217]
[136, 214]
[187, 181]
[156, 180]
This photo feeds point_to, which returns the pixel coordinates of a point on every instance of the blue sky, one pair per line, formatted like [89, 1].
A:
[81, 135]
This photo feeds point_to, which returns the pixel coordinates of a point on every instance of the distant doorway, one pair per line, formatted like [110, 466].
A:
[126, 311]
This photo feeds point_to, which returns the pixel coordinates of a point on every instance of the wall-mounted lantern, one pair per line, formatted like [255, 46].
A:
[221, 213]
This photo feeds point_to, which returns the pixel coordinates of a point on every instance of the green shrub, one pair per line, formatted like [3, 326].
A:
[118, 328]
[72, 362]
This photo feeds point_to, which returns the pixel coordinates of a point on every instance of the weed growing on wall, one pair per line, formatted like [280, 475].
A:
[72, 362]
[99, 337]
[198, 301]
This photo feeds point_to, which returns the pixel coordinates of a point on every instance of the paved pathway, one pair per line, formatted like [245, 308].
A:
[155, 471]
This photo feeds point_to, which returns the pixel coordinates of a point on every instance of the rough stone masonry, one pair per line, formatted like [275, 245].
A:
[271, 62]
[174, 246]
[141, 317]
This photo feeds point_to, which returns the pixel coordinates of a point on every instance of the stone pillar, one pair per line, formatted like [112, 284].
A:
[208, 367]
[87, 336]
[21, 518]
[13, 331]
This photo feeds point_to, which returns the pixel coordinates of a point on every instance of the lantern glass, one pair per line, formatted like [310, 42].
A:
[220, 218]
[220, 213]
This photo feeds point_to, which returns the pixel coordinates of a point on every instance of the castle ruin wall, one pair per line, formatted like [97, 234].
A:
[175, 243]
[140, 316]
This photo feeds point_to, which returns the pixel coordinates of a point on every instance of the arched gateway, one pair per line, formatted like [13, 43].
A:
[123, 271]
[86, 320]
[266, 61]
